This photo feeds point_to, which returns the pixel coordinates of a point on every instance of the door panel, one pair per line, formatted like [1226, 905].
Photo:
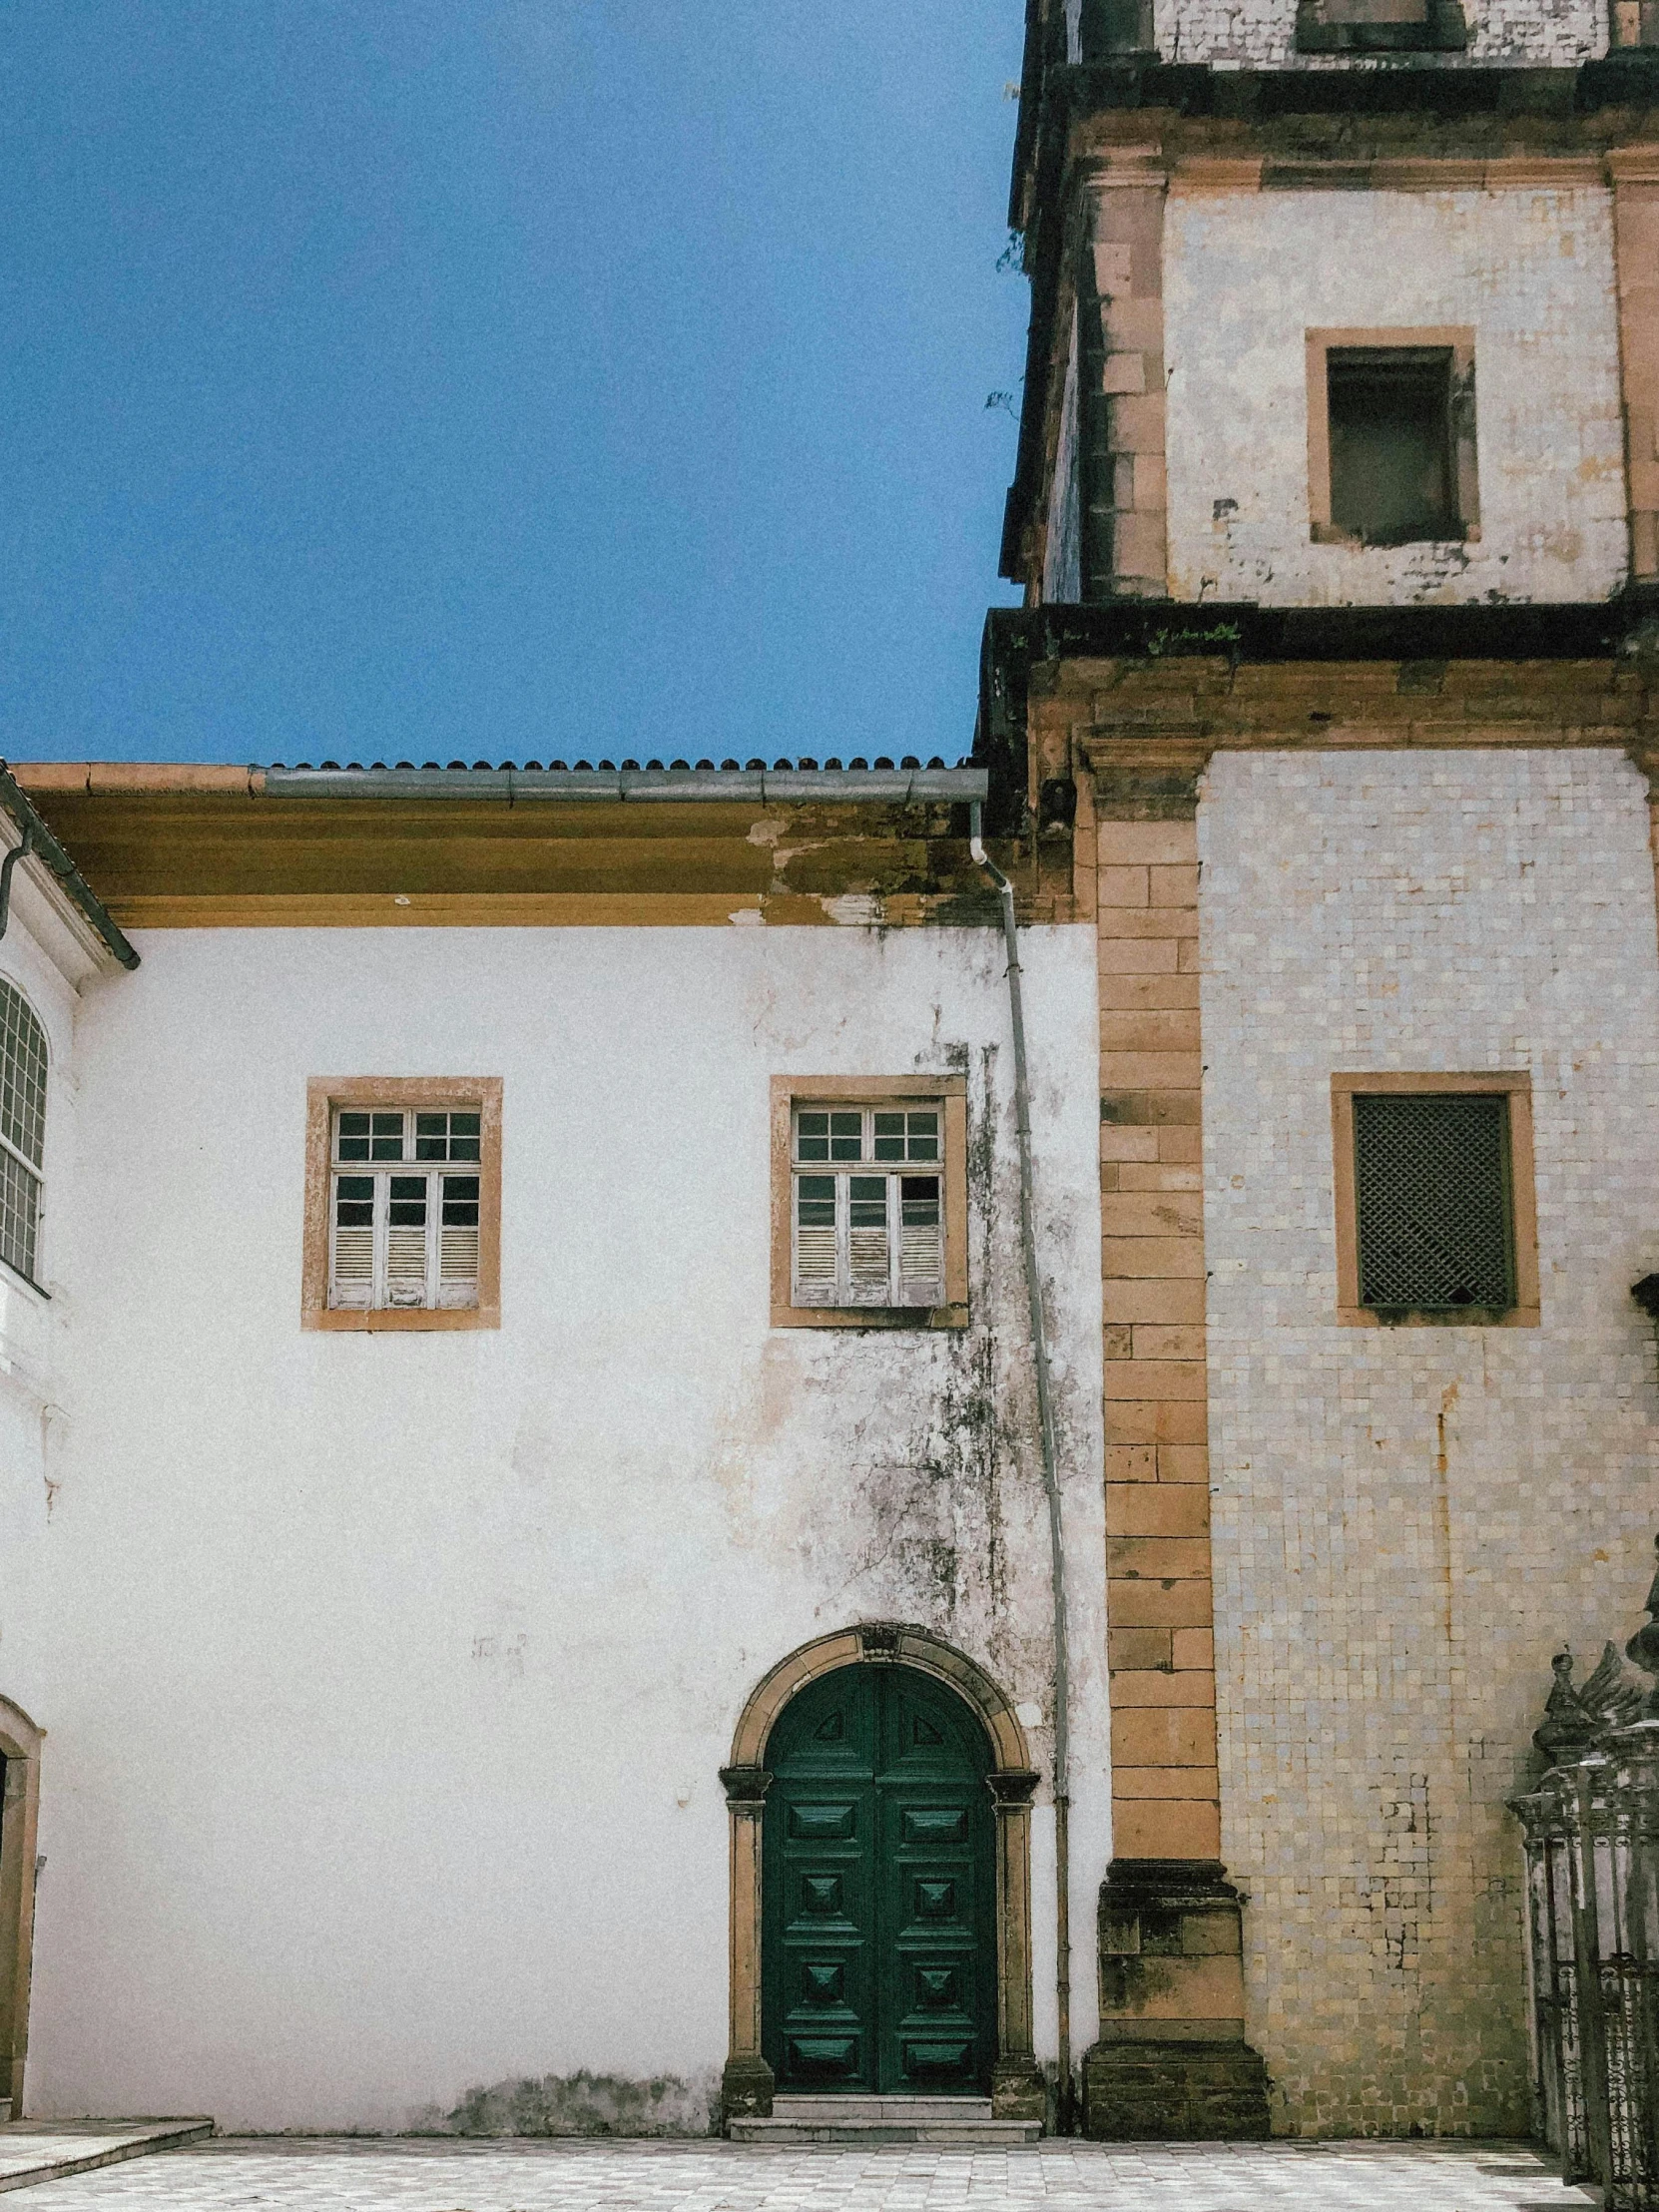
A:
[878, 1880]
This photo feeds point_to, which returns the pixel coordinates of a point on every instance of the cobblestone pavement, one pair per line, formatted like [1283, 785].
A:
[249, 2175]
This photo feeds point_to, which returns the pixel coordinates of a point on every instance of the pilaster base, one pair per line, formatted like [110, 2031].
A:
[1172, 2064]
[1019, 2091]
[1187, 2092]
[746, 2090]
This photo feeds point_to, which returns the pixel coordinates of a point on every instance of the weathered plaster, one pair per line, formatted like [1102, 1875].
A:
[1261, 34]
[1247, 275]
[388, 1678]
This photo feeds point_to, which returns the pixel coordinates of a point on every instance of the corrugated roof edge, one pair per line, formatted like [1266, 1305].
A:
[732, 785]
[44, 845]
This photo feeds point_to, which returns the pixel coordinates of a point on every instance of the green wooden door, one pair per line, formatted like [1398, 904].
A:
[879, 1877]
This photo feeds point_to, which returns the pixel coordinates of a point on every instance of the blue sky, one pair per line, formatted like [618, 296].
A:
[501, 378]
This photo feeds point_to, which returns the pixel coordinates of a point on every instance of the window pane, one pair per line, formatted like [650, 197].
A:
[1431, 1199]
[846, 1136]
[22, 1078]
[353, 1201]
[814, 1201]
[812, 1136]
[919, 1200]
[460, 1201]
[889, 1136]
[408, 1200]
[384, 1145]
[869, 1200]
[465, 1125]
[19, 1214]
[924, 1135]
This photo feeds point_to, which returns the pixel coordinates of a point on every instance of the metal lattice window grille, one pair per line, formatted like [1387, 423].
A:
[402, 1221]
[866, 1205]
[1434, 1221]
[22, 1129]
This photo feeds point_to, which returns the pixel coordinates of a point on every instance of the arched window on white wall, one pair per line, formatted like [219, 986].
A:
[22, 1128]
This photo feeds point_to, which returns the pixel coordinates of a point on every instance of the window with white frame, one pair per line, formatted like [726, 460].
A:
[403, 1207]
[22, 1129]
[866, 1203]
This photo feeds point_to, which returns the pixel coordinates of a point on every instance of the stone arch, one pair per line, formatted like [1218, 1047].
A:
[1017, 2087]
[20, 1742]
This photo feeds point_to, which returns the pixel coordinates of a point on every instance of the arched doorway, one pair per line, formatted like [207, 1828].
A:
[1008, 1780]
[878, 1873]
[20, 1742]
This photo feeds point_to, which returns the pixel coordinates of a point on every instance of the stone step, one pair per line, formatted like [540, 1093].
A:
[962, 2123]
[49, 2150]
[796, 2107]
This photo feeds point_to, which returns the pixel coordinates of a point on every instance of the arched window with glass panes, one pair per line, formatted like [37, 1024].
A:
[22, 1129]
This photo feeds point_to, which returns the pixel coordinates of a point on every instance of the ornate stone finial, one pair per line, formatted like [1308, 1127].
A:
[1610, 1697]
[1567, 1727]
[1643, 1647]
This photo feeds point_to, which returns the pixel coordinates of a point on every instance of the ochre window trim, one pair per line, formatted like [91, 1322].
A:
[1459, 341]
[951, 1093]
[323, 1096]
[1516, 1085]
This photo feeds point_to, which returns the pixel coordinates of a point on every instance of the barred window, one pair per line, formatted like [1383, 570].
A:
[402, 1229]
[1433, 1203]
[22, 1129]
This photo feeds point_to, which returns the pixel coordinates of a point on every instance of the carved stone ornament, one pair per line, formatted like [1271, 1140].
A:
[879, 1639]
[1012, 1785]
[1643, 1647]
[745, 1786]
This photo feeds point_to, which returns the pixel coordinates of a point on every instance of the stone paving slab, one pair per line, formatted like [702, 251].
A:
[253, 2174]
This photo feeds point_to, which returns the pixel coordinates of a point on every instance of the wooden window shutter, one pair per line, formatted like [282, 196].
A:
[456, 1201]
[868, 1240]
[921, 1240]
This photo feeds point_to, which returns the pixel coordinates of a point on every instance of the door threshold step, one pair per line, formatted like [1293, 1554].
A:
[964, 2123]
[802, 2105]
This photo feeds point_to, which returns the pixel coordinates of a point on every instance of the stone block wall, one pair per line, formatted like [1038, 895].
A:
[1408, 1521]
[1261, 34]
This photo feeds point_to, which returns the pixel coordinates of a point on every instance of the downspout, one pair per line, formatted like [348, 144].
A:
[1051, 1484]
[19, 852]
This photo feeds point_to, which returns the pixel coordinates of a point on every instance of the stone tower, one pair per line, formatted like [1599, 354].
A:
[1337, 513]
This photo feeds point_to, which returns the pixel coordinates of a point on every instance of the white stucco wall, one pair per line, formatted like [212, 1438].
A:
[386, 1677]
[1247, 276]
[1409, 1521]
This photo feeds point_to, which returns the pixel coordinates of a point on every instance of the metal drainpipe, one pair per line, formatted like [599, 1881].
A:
[19, 852]
[1051, 1484]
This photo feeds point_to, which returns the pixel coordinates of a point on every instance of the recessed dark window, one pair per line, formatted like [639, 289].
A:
[1432, 1205]
[1394, 477]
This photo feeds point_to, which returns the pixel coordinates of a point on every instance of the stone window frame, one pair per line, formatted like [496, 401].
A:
[20, 1743]
[951, 1093]
[1514, 1083]
[1459, 339]
[324, 1095]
